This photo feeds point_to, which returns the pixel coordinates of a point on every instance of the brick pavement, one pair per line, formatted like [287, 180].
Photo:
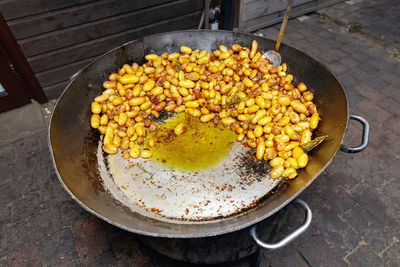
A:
[377, 19]
[355, 202]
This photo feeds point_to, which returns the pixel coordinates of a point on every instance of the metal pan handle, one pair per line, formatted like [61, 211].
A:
[365, 135]
[291, 236]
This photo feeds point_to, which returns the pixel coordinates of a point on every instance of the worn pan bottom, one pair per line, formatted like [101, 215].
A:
[235, 183]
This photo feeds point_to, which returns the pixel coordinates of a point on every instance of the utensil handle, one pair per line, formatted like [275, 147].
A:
[365, 136]
[284, 22]
[73, 76]
[291, 236]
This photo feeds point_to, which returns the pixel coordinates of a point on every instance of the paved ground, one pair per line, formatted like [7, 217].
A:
[355, 202]
[376, 19]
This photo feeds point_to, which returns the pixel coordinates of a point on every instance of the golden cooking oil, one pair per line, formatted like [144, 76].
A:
[202, 144]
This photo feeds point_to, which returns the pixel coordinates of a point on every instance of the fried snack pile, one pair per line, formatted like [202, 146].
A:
[235, 87]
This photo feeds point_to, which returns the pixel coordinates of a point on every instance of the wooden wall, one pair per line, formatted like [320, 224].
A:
[59, 37]
[257, 14]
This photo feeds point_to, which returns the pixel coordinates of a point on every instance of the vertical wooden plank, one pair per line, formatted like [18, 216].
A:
[14, 95]
[241, 10]
[236, 14]
[28, 78]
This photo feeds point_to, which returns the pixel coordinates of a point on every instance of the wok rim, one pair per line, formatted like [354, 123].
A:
[227, 230]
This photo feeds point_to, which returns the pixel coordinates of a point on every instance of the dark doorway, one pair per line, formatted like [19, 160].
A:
[12, 93]
[18, 83]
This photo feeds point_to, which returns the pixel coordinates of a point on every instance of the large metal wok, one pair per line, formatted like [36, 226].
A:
[74, 146]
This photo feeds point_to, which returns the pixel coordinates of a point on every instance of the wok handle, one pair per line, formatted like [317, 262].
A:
[291, 236]
[365, 136]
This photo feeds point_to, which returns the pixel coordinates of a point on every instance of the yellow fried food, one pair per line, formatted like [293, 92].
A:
[232, 86]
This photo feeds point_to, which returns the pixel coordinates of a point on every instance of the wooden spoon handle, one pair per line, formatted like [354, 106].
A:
[285, 19]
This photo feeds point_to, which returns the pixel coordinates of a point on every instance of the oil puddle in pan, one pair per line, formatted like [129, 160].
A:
[202, 145]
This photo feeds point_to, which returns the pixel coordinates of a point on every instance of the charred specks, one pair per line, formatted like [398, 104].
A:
[251, 169]
[163, 115]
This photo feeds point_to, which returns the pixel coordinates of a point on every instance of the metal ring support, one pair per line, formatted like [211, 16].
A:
[291, 236]
[365, 136]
